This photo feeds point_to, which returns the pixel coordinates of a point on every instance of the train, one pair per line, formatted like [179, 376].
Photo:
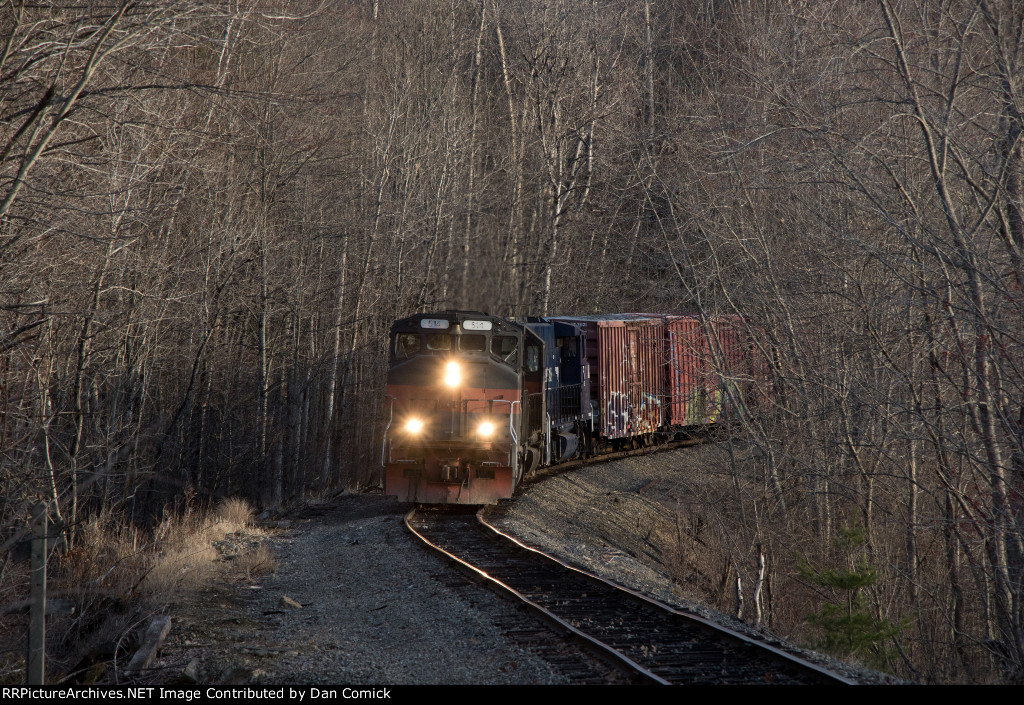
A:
[476, 402]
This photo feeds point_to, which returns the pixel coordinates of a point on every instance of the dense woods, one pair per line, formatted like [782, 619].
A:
[211, 212]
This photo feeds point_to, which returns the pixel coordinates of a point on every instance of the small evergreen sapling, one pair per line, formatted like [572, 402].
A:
[848, 626]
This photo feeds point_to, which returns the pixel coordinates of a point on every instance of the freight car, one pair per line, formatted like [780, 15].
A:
[475, 401]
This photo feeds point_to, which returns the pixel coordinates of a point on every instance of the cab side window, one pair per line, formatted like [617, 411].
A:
[406, 345]
[532, 358]
[506, 347]
[569, 348]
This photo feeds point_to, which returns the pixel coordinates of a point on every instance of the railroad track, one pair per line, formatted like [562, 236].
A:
[694, 438]
[651, 641]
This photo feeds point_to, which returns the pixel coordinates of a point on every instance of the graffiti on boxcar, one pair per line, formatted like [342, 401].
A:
[618, 413]
[626, 418]
[648, 416]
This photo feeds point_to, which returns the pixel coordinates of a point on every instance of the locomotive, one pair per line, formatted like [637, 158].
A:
[475, 401]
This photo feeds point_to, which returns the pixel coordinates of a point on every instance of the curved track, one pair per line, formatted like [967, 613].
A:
[654, 642]
[644, 447]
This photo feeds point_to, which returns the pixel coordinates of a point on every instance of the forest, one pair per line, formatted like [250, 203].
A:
[211, 212]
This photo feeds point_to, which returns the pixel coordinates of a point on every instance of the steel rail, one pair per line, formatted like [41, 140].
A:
[692, 653]
[648, 601]
[559, 625]
[610, 455]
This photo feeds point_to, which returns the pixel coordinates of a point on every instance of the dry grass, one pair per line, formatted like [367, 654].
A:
[187, 553]
[257, 562]
[234, 512]
[116, 574]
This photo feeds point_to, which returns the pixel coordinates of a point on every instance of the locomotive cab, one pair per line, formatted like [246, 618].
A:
[454, 397]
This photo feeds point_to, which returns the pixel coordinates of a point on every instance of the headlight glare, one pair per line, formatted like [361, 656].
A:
[452, 374]
[486, 429]
[414, 426]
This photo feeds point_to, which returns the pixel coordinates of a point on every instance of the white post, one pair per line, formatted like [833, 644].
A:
[37, 614]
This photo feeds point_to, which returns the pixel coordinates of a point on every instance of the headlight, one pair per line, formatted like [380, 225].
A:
[452, 374]
[486, 429]
[413, 426]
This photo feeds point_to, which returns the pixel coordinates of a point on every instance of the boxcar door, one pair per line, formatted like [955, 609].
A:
[635, 394]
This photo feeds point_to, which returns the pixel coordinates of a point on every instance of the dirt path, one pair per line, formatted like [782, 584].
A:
[375, 609]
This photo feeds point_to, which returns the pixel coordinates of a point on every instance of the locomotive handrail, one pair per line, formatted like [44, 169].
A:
[391, 417]
[566, 400]
[513, 454]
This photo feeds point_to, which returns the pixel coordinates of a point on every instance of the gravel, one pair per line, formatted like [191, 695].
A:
[375, 608]
[356, 600]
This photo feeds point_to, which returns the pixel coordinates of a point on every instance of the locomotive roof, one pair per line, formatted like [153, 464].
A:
[598, 317]
[455, 317]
